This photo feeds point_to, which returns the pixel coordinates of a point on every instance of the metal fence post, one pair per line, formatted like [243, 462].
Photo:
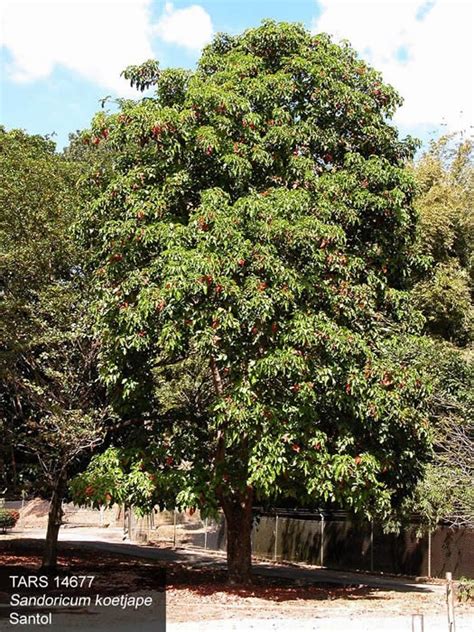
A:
[371, 546]
[429, 553]
[417, 623]
[275, 553]
[450, 602]
[321, 549]
[174, 528]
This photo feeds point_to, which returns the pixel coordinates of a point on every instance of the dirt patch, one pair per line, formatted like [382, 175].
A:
[202, 593]
[34, 514]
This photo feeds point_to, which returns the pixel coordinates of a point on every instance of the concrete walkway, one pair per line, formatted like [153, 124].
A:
[334, 624]
[111, 540]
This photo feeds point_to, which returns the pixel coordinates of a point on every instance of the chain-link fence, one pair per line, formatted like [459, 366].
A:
[321, 539]
[333, 540]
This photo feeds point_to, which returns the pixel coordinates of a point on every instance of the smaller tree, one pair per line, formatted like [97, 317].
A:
[52, 407]
[60, 441]
[445, 178]
[446, 489]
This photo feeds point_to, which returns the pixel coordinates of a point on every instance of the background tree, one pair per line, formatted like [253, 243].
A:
[446, 490]
[259, 222]
[52, 407]
[445, 177]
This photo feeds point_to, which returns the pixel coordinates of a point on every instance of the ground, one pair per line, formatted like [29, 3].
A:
[280, 595]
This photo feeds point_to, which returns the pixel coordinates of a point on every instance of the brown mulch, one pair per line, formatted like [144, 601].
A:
[205, 593]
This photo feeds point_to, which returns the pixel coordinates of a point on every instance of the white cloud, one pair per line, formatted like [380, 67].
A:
[436, 78]
[190, 27]
[95, 38]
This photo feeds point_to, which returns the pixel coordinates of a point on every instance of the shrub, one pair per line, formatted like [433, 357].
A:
[8, 519]
[465, 590]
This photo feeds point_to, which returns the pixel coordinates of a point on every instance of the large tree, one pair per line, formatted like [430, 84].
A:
[259, 227]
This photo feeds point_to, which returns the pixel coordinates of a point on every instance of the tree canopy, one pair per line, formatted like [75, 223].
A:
[51, 404]
[445, 179]
[259, 225]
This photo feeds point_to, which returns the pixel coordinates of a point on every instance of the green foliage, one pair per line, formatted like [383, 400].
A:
[258, 232]
[445, 299]
[47, 392]
[446, 490]
[445, 177]
[465, 590]
[8, 519]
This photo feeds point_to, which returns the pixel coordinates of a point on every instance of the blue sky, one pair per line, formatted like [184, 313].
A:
[58, 58]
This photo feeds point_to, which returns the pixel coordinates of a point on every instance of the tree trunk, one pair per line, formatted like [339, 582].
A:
[50, 553]
[238, 514]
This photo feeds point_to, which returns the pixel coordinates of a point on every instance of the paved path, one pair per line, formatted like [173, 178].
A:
[110, 540]
[334, 624]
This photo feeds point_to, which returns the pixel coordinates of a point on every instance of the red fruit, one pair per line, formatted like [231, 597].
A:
[192, 511]
[169, 460]
[364, 183]
[156, 131]
[218, 288]
[215, 323]
[116, 257]
[348, 388]
[296, 448]
[358, 459]
[140, 215]
[317, 446]
[105, 133]
[236, 148]
[274, 327]
[328, 157]
[262, 286]
[96, 140]
[160, 306]
[387, 380]
[295, 388]
[89, 490]
[202, 224]
[241, 262]
[141, 334]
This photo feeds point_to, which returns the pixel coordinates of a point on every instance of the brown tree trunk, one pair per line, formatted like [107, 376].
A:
[50, 552]
[238, 514]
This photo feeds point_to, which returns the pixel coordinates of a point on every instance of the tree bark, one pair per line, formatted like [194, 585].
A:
[50, 552]
[238, 514]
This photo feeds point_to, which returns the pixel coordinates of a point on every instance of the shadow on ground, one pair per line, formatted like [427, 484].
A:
[129, 568]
